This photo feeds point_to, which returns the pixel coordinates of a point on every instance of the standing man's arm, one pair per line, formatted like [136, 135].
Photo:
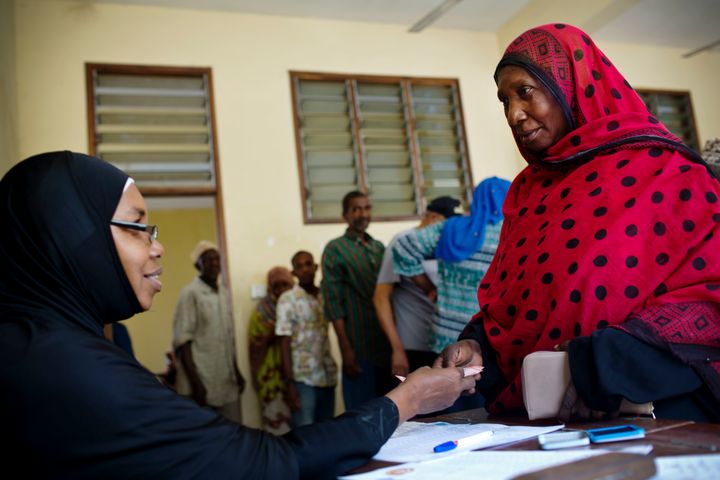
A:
[384, 311]
[184, 326]
[199, 392]
[351, 367]
[292, 397]
[283, 331]
[333, 292]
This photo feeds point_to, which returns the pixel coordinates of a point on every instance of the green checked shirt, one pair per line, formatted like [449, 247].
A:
[350, 269]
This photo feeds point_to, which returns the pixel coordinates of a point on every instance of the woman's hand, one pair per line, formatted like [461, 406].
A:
[428, 390]
[464, 353]
[573, 406]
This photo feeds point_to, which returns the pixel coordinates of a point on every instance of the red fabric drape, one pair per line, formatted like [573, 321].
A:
[617, 217]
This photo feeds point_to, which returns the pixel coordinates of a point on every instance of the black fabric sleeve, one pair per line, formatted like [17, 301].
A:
[327, 449]
[492, 379]
[75, 406]
[610, 365]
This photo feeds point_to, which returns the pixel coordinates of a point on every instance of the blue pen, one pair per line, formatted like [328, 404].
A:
[463, 442]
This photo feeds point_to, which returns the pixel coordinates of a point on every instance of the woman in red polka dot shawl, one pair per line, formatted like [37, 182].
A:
[610, 244]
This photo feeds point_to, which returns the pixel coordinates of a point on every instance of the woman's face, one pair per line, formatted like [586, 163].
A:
[535, 118]
[140, 256]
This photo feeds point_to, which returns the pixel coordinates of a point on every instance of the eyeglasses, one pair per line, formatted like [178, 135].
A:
[142, 227]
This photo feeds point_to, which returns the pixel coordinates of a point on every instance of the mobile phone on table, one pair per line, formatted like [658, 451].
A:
[615, 434]
[555, 440]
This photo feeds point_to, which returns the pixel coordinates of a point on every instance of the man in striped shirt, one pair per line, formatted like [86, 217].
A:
[350, 266]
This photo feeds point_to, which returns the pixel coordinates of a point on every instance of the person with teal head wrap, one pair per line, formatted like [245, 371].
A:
[464, 247]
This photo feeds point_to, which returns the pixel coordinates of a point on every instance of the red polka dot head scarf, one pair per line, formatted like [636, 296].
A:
[615, 224]
[599, 104]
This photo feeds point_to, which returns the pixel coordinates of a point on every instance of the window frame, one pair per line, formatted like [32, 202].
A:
[215, 191]
[128, 69]
[351, 81]
[690, 114]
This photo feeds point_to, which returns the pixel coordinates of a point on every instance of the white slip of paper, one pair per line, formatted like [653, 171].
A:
[688, 467]
[502, 465]
[494, 465]
[414, 441]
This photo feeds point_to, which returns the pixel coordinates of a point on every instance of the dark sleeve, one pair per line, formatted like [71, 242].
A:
[333, 286]
[492, 379]
[328, 449]
[121, 337]
[610, 365]
[83, 409]
[75, 406]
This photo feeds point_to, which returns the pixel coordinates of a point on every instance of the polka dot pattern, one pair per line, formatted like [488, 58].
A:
[600, 236]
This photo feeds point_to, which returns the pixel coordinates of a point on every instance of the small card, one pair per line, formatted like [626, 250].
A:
[468, 371]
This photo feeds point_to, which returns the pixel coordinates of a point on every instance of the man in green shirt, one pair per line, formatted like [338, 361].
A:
[350, 266]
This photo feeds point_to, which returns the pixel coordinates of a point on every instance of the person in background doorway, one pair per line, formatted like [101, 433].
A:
[266, 356]
[350, 265]
[204, 339]
[404, 310]
[309, 370]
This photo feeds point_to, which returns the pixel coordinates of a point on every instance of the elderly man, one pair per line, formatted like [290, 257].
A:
[204, 339]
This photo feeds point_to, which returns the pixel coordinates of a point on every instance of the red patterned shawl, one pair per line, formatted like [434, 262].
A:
[617, 219]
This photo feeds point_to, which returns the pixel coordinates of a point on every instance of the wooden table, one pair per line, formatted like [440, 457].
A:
[668, 437]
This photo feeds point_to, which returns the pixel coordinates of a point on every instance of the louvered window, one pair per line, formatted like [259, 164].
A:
[674, 110]
[155, 124]
[401, 140]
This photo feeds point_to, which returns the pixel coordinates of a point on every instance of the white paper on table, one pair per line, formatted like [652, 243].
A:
[493, 465]
[414, 441]
[687, 467]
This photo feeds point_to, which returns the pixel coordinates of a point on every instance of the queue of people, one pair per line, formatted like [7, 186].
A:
[605, 245]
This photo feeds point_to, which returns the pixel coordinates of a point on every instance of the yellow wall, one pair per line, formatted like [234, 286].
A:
[665, 69]
[8, 99]
[250, 56]
[179, 232]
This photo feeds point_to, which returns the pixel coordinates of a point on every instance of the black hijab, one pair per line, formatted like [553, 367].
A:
[58, 262]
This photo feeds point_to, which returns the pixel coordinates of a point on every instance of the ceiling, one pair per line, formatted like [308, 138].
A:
[684, 24]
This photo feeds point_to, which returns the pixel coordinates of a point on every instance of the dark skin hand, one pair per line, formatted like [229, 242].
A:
[199, 392]
[424, 283]
[292, 397]
[240, 379]
[351, 368]
[463, 353]
[573, 406]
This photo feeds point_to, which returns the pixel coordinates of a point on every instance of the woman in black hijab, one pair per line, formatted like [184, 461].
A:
[76, 253]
